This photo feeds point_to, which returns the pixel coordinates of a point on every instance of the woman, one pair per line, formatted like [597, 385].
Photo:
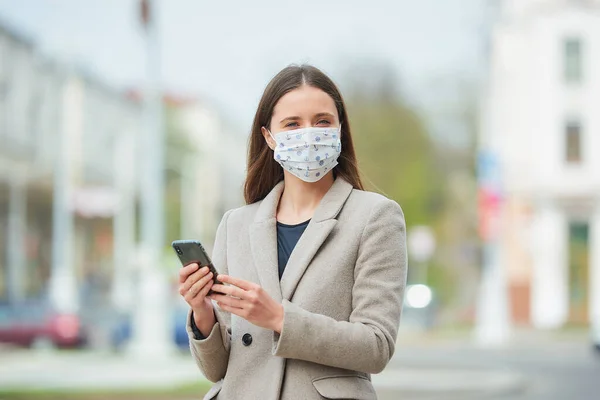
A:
[313, 268]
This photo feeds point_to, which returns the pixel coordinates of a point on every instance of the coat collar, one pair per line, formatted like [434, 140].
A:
[263, 238]
[330, 205]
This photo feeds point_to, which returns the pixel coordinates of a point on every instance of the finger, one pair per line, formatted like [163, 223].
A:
[236, 281]
[204, 291]
[232, 310]
[230, 301]
[186, 271]
[195, 277]
[197, 287]
[230, 290]
[199, 274]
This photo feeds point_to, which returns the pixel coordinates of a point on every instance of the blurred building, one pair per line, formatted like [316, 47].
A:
[543, 125]
[30, 98]
[69, 178]
[211, 163]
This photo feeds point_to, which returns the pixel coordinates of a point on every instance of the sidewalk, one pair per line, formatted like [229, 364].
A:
[96, 371]
[71, 370]
[445, 383]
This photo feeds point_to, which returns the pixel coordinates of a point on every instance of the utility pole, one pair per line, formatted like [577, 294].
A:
[152, 326]
[492, 319]
[63, 284]
[492, 326]
[124, 217]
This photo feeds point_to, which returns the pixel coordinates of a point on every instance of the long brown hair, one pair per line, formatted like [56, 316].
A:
[263, 171]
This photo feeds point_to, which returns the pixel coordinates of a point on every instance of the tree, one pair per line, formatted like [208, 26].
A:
[393, 147]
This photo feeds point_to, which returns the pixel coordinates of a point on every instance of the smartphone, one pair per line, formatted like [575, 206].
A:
[192, 251]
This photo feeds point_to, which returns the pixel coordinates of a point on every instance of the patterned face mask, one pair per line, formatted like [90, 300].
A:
[308, 153]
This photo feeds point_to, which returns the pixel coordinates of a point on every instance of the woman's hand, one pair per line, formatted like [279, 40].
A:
[249, 301]
[194, 285]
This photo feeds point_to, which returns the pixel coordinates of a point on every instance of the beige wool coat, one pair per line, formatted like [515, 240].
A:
[342, 293]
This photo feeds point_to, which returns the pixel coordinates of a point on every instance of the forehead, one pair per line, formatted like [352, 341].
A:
[304, 102]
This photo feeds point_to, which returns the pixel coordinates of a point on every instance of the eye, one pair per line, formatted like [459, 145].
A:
[323, 122]
[291, 124]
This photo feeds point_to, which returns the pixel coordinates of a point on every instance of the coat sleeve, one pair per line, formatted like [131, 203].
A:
[365, 342]
[212, 353]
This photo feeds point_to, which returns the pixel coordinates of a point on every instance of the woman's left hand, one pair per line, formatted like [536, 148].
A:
[249, 301]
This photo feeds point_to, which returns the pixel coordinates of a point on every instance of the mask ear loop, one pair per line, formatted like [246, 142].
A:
[272, 137]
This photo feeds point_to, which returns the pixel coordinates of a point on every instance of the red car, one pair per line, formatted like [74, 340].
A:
[37, 325]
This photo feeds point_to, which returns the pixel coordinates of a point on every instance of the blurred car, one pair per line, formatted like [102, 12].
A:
[122, 330]
[38, 325]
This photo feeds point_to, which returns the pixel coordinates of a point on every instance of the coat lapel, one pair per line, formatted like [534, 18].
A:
[263, 242]
[263, 239]
[314, 236]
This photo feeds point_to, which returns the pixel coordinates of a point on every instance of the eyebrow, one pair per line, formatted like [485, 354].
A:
[319, 115]
[324, 114]
[289, 118]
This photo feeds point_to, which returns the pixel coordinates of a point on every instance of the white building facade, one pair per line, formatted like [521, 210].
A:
[543, 123]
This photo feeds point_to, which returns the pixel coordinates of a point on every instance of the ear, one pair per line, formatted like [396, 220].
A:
[270, 142]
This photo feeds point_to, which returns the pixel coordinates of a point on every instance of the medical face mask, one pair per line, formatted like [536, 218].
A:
[308, 153]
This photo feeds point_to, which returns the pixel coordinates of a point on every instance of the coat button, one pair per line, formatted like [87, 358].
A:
[247, 339]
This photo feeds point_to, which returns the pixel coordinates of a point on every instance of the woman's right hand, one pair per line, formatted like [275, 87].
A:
[194, 285]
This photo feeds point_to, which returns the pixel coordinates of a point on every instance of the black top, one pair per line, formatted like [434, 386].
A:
[287, 238]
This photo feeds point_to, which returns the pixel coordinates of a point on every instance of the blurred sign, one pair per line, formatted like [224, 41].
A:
[488, 170]
[489, 212]
[421, 243]
[489, 194]
[95, 202]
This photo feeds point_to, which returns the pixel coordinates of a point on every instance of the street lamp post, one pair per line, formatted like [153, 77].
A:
[492, 325]
[63, 284]
[493, 321]
[124, 218]
[152, 327]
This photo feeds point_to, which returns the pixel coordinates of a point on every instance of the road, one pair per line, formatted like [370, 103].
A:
[532, 369]
[549, 369]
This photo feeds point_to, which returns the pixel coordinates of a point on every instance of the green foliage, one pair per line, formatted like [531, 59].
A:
[430, 180]
[196, 389]
[395, 154]
[442, 280]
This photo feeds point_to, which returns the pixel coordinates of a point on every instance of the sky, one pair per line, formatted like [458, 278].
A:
[225, 52]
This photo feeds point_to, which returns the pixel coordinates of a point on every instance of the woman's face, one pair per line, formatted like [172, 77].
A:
[304, 107]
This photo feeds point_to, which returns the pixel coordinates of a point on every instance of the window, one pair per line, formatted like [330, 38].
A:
[573, 60]
[573, 142]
